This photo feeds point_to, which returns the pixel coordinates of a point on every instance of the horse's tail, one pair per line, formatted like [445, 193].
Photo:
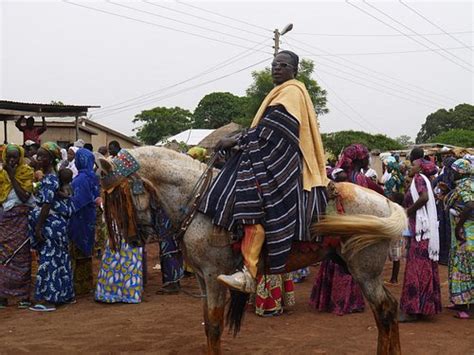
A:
[236, 310]
[362, 230]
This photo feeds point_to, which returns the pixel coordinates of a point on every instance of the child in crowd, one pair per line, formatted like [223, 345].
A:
[65, 179]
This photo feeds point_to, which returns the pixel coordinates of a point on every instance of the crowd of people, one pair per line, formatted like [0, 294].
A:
[275, 186]
[52, 225]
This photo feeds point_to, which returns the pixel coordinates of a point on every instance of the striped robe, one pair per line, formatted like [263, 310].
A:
[262, 184]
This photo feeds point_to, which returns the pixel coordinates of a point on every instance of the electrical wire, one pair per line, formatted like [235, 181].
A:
[396, 29]
[203, 18]
[388, 53]
[181, 22]
[154, 24]
[395, 81]
[435, 25]
[210, 70]
[191, 87]
[224, 16]
[410, 29]
[377, 35]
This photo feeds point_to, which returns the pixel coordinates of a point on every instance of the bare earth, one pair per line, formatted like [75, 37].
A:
[173, 325]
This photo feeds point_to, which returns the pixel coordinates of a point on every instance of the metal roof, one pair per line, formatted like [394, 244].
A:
[15, 108]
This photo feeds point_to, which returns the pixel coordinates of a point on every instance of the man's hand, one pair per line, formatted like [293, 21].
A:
[39, 236]
[10, 170]
[226, 143]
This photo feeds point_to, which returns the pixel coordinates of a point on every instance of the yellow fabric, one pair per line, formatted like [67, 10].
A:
[23, 174]
[198, 153]
[293, 95]
[252, 243]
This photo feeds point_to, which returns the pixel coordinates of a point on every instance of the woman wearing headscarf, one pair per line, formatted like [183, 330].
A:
[460, 203]
[421, 294]
[353, 160]
[334, 289]
[69, 162]
[442, 185]
[16, 186]
[48, 229]
[395, 181]
[82, 228]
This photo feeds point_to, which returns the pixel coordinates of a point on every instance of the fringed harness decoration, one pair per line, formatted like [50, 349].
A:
[120, 214]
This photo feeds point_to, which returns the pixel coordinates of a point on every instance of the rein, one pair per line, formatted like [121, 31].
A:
[201, 186]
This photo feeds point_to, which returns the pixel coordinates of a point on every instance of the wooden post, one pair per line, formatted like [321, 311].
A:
[5, 140]
[77, 128]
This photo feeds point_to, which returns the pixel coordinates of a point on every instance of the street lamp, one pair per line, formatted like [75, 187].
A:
[276, 39]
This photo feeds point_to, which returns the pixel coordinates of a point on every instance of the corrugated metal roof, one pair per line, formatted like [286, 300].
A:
[12, 108]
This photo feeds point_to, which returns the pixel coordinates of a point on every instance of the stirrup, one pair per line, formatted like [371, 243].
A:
[241, 281]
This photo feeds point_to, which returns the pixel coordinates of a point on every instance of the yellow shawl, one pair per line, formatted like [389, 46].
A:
[23, 174]
[293, 95]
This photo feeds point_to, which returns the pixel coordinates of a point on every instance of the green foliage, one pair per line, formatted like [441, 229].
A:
[60, 103]
[218, 109]
[404, 140]
[263, 84]
[461, 117]
[336, 142]
[457, 137]
[161, 122]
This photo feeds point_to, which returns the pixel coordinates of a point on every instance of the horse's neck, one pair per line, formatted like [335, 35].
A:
[172, 182]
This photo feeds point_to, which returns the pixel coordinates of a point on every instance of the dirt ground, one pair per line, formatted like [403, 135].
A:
[173, 325]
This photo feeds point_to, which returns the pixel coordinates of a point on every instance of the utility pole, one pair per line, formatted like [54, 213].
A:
[276, 42]
[277, 35]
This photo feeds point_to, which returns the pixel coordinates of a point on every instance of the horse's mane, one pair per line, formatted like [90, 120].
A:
[179, 160]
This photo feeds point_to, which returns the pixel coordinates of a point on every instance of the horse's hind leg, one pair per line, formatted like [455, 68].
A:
[366, 268]
[216, 294]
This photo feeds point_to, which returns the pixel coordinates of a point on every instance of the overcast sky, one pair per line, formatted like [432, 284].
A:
[379, 79]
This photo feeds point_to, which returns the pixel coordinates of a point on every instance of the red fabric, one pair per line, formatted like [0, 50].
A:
[33, 134]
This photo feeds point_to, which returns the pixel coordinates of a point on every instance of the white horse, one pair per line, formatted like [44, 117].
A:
[369, 223]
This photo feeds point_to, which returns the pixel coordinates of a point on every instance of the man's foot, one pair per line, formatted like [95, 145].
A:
[43, 307]
[241, 281]
[170, 289]
[462, 315]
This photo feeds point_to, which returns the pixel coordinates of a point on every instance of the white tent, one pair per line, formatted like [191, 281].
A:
[189, 137]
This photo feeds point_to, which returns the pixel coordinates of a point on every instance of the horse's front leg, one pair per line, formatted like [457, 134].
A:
[216, 294]
[366, 268]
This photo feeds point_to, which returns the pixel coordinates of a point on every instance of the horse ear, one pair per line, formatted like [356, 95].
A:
[104, 165]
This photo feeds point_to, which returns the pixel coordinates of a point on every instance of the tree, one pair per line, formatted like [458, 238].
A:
[336, 142]
[404, 140]
[263, 84]
[457, 137]
[161, 122]
[218, 109]
[462, 117]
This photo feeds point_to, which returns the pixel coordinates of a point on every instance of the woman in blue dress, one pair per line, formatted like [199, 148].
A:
[48, 229]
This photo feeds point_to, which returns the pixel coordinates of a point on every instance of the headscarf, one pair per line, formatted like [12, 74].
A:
[86, 191]
[54, 150]
[23, 173]
[462, 167]
[79, 143]
[71, 164]
[84, 161]
[428, 168]
[351, 153]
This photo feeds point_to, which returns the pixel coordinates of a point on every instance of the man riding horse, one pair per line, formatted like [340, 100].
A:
[275, 185]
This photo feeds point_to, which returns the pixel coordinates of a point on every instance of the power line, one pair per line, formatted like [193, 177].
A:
[191, 87]
[435, 25]
[370, 87]
[396, 29]
[388, 53]
[410, 29]
[212, 69]
[395, 81]
[377, 35]
[338, 97]
[154, 24]
[224, 16]
[179, 21]
[204, 18]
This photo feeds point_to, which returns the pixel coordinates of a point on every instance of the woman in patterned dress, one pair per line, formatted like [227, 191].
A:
[48, 229]
[461, 264]
[421, 295]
